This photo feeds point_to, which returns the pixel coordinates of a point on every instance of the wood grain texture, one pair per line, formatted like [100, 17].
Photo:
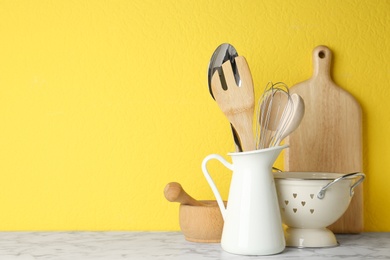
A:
[201, 223]
[237, 102]
[174, 192]
[329, 138]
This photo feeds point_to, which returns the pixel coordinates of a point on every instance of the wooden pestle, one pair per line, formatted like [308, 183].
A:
[174, 192]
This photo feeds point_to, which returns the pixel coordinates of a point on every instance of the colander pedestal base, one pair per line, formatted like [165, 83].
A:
[310, 237]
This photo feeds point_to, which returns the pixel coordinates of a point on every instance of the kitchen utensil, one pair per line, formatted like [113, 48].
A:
[200, 221]
[252, 217]
[292, 123]
[224, 52]
[329, 138]
[274, 113]
[202, 224]
[174, 192]
[237, 102]
[272, 107]
[310, 201]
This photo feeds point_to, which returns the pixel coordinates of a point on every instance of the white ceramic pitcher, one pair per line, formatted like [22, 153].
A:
[253, 224]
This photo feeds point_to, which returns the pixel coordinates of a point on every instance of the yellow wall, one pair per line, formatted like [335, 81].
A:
[102, 103]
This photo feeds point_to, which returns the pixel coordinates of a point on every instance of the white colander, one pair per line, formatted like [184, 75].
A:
[311, 201]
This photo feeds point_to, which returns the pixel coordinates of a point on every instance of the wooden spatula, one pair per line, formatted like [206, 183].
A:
[329, 138]
[237, 102]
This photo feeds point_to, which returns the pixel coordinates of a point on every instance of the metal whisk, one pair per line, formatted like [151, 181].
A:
[274, 111]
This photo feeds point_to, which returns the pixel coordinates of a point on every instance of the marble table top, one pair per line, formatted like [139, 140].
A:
[167, 245]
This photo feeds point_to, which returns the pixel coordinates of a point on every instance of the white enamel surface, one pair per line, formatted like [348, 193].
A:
[301, 208]
[306, 237]
[252, 218]
[304, 213]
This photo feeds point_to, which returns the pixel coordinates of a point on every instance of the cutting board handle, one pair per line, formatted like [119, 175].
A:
[322, 60]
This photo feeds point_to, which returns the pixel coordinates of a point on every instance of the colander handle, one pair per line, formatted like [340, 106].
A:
[362, 176]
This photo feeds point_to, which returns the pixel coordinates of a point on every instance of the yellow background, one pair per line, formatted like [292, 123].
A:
[102, 103]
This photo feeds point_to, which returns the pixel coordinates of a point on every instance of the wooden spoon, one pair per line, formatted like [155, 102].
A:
[174, 192]
[237, 102]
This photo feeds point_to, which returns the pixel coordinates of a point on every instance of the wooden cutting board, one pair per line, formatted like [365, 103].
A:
[329, 138]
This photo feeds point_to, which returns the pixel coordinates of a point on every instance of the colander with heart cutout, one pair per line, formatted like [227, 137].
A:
[311, 201]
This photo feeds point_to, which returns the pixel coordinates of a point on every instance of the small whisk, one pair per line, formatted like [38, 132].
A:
[274, 111]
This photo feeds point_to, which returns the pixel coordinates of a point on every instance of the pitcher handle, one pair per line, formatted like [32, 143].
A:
[211, 182]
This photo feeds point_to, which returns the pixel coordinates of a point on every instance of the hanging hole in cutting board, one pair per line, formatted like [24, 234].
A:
[321, 54]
